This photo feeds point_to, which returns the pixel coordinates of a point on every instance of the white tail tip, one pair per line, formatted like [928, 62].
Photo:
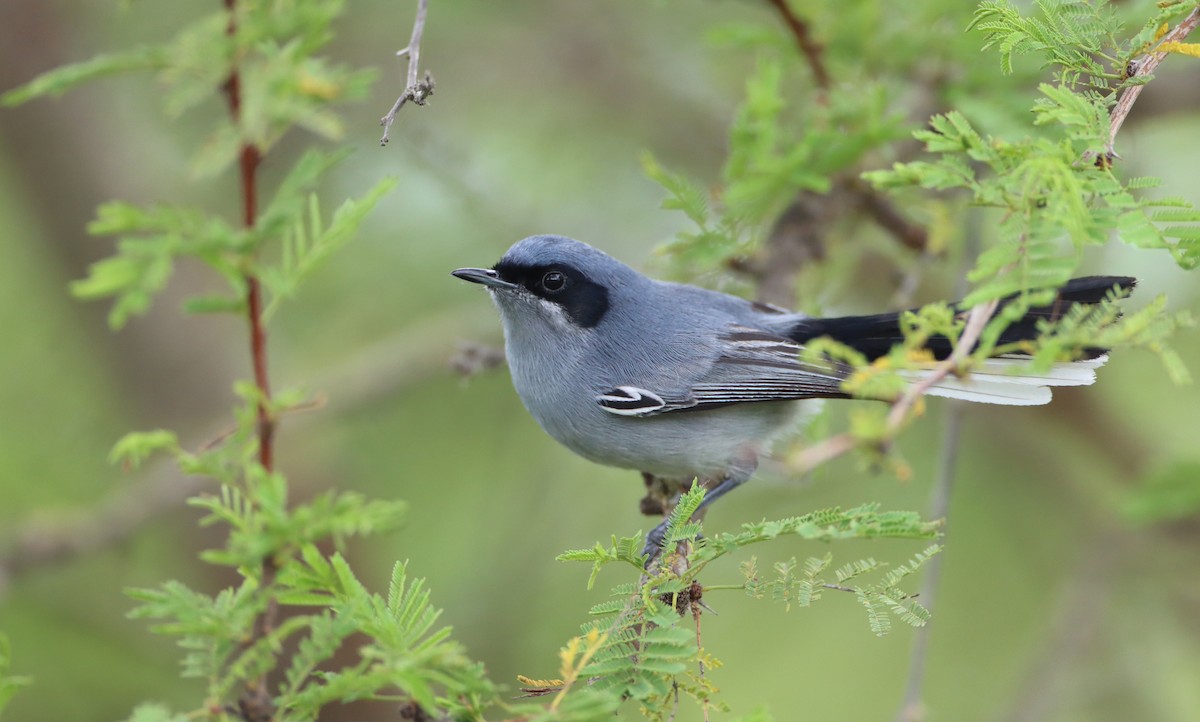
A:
[1007, 380]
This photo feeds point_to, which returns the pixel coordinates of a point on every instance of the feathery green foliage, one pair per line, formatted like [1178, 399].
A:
[767, 165]
[1058, 192]
[648, 653]
[1079, 40]
[261, 57]
[1053, 192]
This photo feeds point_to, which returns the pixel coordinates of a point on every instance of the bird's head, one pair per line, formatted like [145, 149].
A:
[555, 281]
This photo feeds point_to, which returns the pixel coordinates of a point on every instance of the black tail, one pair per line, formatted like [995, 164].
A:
[875, 335]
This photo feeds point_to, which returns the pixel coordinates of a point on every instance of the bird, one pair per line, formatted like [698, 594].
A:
[681, 382]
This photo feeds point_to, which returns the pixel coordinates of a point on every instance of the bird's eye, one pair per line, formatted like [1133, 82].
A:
[554, 281]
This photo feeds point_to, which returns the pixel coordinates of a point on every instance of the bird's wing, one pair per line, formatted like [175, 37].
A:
[751, 365]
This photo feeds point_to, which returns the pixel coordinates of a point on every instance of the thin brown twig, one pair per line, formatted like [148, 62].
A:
[809, 47]
[803, 224]
[418, 89]
[249, 159]
[887, 216]
[256, 700]
[1142, 66]
[976, 321]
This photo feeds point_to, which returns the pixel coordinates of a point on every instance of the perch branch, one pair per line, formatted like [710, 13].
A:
[418, 89]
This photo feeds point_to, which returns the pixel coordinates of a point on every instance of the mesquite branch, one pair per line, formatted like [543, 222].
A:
[1142, 66]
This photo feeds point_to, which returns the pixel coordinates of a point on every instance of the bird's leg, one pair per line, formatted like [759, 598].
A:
[735, 477]
[658, 494]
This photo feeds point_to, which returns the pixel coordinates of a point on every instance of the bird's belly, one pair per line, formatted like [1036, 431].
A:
[675, 444]
[678, 444]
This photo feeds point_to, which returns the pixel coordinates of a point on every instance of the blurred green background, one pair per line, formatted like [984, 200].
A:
[1054, 605]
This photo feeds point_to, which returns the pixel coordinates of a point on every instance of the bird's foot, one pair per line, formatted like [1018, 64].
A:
[654, 542]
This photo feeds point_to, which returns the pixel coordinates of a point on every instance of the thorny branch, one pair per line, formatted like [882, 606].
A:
[418, 89]
[1140, 67]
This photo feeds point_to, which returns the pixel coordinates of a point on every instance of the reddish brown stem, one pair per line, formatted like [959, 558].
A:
[248, 162]
[809, 47]
[256, 702]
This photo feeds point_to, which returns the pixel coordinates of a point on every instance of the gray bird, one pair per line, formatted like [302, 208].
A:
[681, 382]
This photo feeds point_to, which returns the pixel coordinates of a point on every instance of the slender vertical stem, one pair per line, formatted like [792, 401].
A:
[256, 702]
[258, 346]
[912, 708]
[248, 162]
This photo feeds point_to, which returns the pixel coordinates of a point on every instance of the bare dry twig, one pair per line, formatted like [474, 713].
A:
[418, 89]
[1145, 65]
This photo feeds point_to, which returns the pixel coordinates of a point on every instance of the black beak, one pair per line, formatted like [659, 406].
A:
[486, 276]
